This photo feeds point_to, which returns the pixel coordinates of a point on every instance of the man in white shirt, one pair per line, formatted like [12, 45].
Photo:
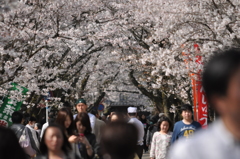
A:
[33, 134]
[81, 106]
[132, 113]
[221, 140]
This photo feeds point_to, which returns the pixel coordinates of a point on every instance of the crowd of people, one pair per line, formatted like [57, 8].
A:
[127, 136]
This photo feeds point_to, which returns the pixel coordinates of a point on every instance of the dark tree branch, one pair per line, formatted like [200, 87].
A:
[230, 2]
[83, 85]
[135, 92]
[63, 56]
[99, 99]
[139, 86]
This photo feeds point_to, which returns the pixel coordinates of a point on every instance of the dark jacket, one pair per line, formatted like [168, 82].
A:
[82, 147]
[18, 129]
[151, 130]
[69, 156]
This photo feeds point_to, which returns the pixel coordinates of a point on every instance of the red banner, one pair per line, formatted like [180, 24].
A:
[194, 91]
[199, 97]
[202, 105]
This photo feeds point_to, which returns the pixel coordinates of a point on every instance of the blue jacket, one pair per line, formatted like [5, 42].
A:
[183, 130]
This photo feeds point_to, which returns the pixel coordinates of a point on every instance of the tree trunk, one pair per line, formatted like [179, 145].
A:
[165, 104]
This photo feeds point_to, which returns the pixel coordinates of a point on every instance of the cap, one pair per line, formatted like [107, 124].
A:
[81, 101]
[186, 107]
[132, 110]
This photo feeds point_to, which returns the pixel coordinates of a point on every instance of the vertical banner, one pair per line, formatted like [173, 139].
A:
[199, 97]
[194, 91]
[194, 86]
[202, 105]
[11, 105]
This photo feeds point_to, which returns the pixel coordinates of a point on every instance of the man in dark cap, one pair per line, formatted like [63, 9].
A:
[186, 127]
[81, 106]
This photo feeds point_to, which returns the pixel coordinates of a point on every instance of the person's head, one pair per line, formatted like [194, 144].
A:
[164, 124]
[37, 126]
[82, 122]
[117, 116]
[95, 113]
[153, 119]
[17, 117]
[65, 119]
[51, 117]
[26, 117]
[54, 139]
[81, 105]
[138, 117]
[221, 82]
[143, 117]
[187, 111]
[132, 111]
[31, 121]
[119, 140]
[8, 144]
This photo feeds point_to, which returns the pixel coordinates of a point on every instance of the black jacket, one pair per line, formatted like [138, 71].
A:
[82, 147]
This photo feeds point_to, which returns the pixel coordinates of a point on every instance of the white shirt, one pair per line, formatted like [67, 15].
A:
[34, 135]
[140, 129]
[215, 142]
[43, 129]
[160, 145]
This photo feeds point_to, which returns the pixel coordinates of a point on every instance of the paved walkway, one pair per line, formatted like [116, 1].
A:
[146, 155]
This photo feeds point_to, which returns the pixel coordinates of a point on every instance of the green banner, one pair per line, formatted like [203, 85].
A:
[11, 105]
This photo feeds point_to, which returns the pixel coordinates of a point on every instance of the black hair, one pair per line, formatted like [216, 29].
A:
[65, 146]
[17, 117]
[218, 72]
[119, 140]
[162, 119]
[61, 118]
[186, 107]
[154, 118]
[32, 118]
[51, 115]
[85, 121]
[38, 125]
[94, 112]
[26, 117]
[8, 144]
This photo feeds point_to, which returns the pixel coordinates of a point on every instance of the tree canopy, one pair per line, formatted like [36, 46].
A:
[82, 47]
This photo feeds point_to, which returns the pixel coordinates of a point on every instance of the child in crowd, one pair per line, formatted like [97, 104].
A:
[161, 139]
[185, 128]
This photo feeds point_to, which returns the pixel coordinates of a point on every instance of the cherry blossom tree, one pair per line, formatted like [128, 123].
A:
[163, 30]
[49, 45]
[53, 45]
